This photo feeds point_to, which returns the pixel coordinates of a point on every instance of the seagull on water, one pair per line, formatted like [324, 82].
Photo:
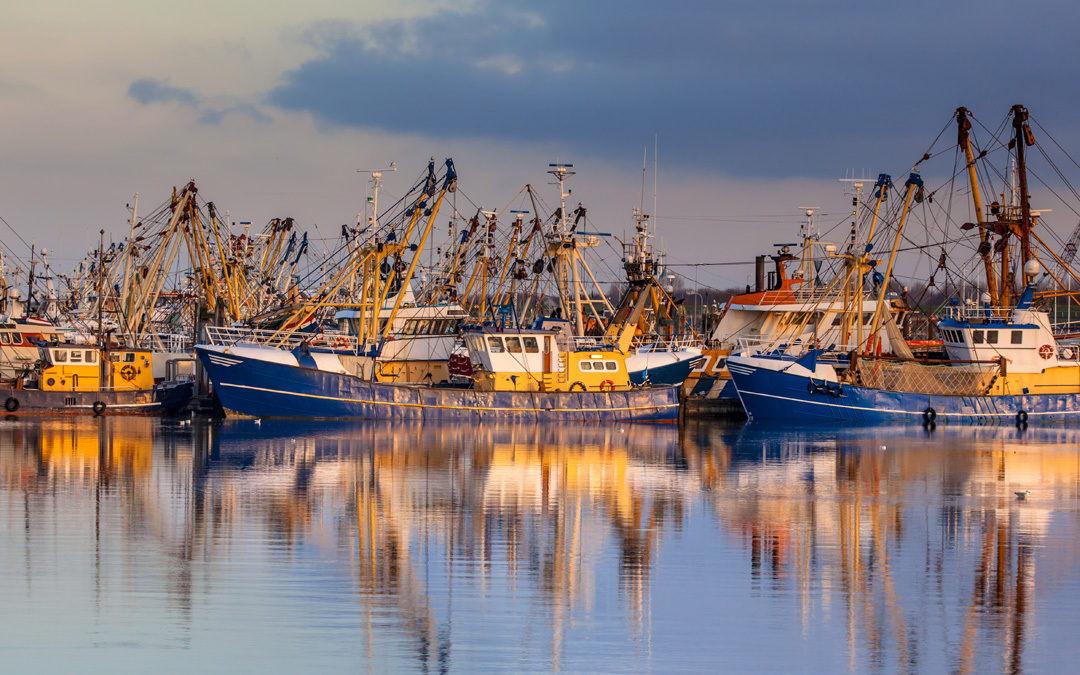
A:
[258, 422]
[1022, 494]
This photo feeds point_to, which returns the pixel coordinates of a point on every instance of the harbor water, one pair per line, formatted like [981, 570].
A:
[137, 544]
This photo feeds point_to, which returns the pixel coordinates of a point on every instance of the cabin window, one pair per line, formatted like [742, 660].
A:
[59, 356]
[91, 356]
[1018, 337]
[76, 356]
[422, 327]
[495, 345]
[4, 339]
[513, 345]
[977, 337]
[585, 365]
[16, 338]
[128, 357]
[531, 346]
[611, 365]
[991, 337]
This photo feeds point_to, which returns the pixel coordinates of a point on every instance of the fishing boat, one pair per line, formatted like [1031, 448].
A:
[20, 340]
[1003, 365]
[792, 304]
[519, 375]
[82, 379]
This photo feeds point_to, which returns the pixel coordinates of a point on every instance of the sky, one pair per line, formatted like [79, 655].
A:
[756, 108]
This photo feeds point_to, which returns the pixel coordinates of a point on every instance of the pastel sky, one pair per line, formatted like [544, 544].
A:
[758, 106]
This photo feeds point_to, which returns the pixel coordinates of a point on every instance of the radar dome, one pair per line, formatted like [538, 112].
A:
[1032, 268]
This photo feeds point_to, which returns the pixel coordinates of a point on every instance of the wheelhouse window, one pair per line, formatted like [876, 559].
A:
[531, 346]
[495, 345]
[59, 356]
[513, 345]
[1017, 337]
[611, 365]
[991, 337]
[978, 337]
[585, 365]
[91, 356]
[76, 356]
[128, 357]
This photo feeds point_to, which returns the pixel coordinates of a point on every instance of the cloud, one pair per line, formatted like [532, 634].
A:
[785, 87]
[149, 90]
[215, 116]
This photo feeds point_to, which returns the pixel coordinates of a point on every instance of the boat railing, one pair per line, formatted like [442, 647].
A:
[791, 295]
[1065, 329]
[670, 344]
[231, 335]
[755, 345]
[166, 342]
[978, 314]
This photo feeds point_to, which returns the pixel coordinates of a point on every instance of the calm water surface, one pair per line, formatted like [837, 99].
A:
[139, 545]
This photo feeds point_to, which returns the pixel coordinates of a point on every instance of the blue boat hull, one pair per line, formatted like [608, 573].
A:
[794, 399]
[266, 389]
[666, 375]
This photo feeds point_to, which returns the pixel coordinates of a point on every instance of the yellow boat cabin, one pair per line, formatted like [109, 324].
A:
[72, 367]
[543, 360]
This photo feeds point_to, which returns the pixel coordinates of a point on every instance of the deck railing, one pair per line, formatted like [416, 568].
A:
[227, 335]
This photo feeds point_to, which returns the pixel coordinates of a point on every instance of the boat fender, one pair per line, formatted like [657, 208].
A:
[577, 384]
[98, 407]
[608, 384]
[1021, 418]
[12, 404]
[929, 416]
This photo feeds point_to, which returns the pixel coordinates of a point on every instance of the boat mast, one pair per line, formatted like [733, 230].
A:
[562, 241]
[101, 289]
[372, 225]
[1023, 138]
[964, 138]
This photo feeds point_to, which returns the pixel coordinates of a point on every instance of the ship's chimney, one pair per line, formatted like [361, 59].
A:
[759, 274]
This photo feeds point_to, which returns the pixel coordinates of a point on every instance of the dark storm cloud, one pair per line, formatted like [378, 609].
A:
[781, 88]
[149, 90]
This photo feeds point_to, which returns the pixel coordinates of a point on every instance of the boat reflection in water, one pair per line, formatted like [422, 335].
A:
[300, 544]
